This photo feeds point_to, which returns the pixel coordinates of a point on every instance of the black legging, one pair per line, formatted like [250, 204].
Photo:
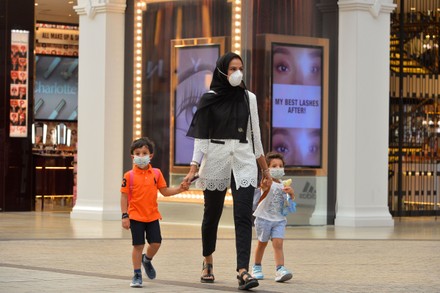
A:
[242, 199]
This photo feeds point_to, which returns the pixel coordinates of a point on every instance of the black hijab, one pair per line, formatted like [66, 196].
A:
[223, 114]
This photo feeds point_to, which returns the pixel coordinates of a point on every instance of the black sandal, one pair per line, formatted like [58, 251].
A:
[248, 283]
[209, 276]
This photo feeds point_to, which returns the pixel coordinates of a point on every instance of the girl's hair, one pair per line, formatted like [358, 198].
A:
[273, 155]
[141, 142]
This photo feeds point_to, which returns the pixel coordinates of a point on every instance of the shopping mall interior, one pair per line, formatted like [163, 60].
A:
[61, 60]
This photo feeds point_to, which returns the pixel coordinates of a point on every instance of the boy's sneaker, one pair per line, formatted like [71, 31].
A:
[283, 274]
[136, 281]
[148, 267]
[257, 272]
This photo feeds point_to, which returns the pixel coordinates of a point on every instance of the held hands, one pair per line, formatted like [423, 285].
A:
[184, 185]
[266, 176]
[170, 191]
[265, 184]
[191, 176]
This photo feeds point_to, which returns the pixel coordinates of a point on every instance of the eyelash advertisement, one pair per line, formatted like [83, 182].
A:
[194, 67]
[297, 96]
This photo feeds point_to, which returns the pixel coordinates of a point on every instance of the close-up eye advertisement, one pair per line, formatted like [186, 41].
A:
[193, 65]
[297, 103]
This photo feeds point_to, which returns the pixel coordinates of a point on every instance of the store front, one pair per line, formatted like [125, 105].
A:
[176, 45]
[55, 128]
[144, 65]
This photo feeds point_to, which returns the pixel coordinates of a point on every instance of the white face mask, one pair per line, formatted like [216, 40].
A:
[276, 173]
[235, 78]
[141, 162]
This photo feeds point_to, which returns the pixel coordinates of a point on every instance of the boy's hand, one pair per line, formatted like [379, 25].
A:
[184, 185]
[126, 223]
[289, 190]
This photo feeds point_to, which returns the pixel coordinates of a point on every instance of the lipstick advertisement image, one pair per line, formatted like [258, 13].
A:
[57, 110]
[74, 114]
[56, 88]
[38, 105]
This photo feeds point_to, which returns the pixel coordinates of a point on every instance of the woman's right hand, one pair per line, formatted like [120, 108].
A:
[191, 174]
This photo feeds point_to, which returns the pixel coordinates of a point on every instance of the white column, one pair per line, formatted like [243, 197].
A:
[100, 108]
[363, 105]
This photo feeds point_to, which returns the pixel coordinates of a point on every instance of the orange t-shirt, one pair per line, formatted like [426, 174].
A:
[143, 204]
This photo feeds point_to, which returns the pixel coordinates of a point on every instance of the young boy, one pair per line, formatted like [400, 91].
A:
[140, 209]
[270, 217]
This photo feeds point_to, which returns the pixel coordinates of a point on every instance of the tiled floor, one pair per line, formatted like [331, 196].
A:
[49, 252]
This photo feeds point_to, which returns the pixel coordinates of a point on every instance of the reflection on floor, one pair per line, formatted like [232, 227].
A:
[59, 225]
[54, 203]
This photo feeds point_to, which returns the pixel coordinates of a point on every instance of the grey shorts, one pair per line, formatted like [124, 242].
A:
[267, 230]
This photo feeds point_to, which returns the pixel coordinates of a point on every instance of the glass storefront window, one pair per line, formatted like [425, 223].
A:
[242, 26]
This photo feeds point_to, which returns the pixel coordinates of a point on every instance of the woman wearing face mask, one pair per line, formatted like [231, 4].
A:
[227, 147]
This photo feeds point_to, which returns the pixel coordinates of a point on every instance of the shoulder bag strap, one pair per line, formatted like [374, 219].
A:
[156, 173]
[130, 185]
[263, 196]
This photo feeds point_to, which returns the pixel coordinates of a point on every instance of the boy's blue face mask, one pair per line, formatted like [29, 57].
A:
[141, 162]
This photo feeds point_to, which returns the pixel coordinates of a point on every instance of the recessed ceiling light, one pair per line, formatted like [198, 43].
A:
[70, 2]
[36, 4]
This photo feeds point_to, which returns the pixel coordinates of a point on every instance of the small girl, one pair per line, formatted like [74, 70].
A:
[273, 202]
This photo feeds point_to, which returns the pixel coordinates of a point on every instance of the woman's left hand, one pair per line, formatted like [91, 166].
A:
[266, 175]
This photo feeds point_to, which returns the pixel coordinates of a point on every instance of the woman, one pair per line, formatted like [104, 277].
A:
[227, 142]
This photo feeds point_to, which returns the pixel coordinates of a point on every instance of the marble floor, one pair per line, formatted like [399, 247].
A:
[52, 225]
[50, 252]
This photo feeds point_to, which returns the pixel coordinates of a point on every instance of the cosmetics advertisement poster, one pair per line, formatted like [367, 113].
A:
[297, 104]
[18, 95]
[56, 39]
[195, 65]
[56, 88]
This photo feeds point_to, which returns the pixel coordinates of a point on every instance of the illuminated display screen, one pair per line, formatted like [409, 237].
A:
[297, 96]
